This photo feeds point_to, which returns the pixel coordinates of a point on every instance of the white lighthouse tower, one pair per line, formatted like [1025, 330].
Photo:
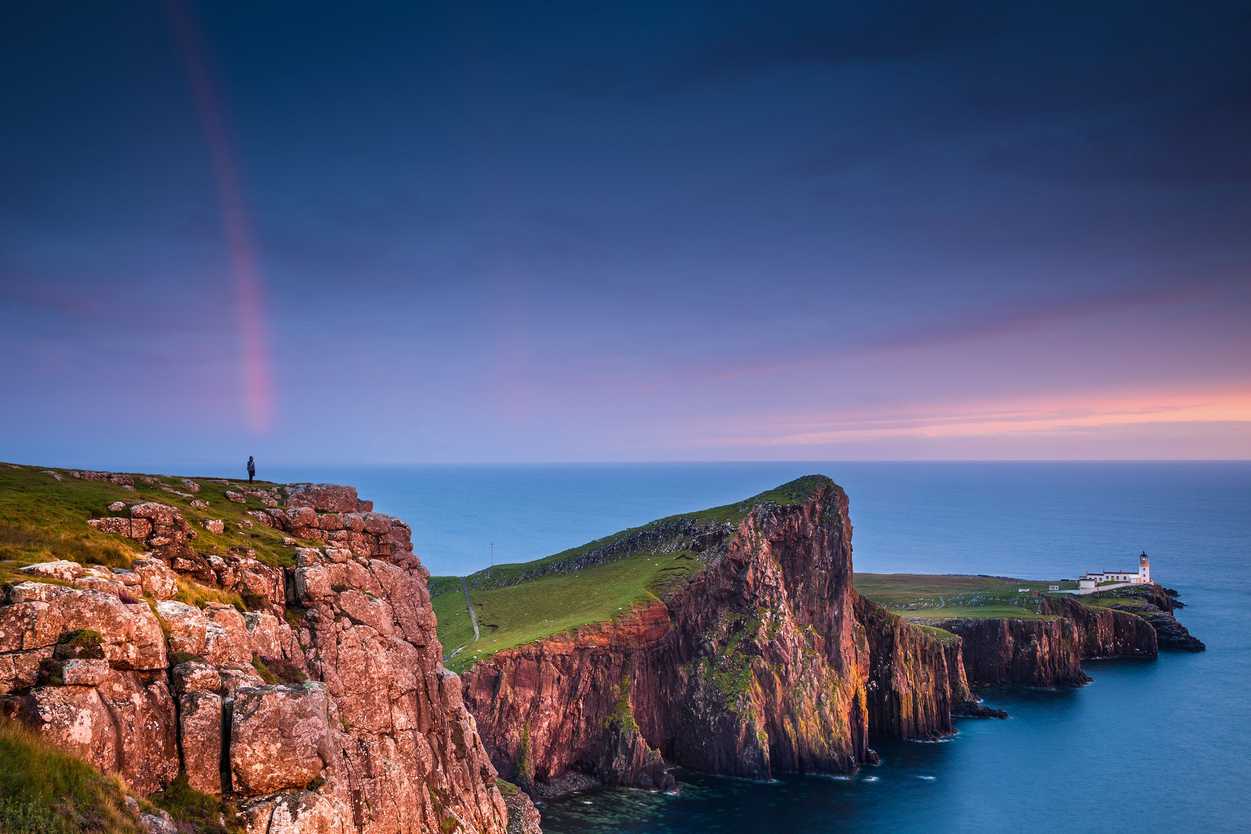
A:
[1144, 569]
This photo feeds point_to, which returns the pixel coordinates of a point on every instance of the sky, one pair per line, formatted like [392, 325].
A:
[475, 232]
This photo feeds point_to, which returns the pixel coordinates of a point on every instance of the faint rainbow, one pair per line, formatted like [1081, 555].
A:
[248, 289]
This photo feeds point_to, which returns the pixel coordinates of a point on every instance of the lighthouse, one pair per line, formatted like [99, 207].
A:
[1144, 569]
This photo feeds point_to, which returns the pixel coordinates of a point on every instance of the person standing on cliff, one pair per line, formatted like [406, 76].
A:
[251, 469]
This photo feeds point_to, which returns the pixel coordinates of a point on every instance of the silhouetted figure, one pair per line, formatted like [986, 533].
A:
[251, 469]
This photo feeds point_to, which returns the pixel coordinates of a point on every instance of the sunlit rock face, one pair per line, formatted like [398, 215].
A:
[323, 708]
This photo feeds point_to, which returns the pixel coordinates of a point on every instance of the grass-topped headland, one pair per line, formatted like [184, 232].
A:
[920, 597]
[521, 603]
[626, 541]
[44, 513]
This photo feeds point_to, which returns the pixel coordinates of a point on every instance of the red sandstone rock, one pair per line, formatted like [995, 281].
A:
[125, 725]
[61, 569]
[382, 744]
[280, 737]
[200, 722]
[326, 498]
[40, 613]
[155, 578]
[756, 665]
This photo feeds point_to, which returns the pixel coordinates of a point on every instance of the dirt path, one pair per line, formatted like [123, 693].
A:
[473, 615]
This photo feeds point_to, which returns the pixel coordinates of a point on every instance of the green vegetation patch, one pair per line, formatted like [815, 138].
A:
[919, 596]
[195, 811]
[43, 519]
[788, 494]
[44, 791]
[729, 670]
[518, 614]
[523, 602]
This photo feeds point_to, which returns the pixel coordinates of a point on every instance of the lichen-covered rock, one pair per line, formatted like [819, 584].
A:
[215, 525]
[61, 569]
[124, 725]
[326, 498]
[378, 742]
[39, 614]
[83, 671]
[155, 578]
[280, 737]
[200, 723]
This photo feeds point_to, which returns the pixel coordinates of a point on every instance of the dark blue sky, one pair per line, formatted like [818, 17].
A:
[506, 232]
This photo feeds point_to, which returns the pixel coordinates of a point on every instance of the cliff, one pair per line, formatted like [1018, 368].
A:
[1049, 650]
[760, 660]
[298, 681]
[1155, 605]
[917, 679]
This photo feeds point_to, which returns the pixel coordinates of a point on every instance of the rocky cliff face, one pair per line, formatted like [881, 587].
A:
[766, 661]
[1049, 651]
[917, 682]
[1105, 632]
[324, 708]
[1034, 652]
[1155, 605]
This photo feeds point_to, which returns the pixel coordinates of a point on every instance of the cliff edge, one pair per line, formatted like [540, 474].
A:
[269, 651]
[743, 651]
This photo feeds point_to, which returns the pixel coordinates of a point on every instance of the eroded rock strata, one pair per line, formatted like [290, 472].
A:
[1049, 651]
[323, 708]
[766, 661]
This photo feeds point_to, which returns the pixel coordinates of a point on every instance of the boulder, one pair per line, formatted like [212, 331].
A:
[185, 627]
[200, 717]
[325, 498]
[196, 676]
[280, 737]
[215, 525]
[39, 614]
[132, 528]
[155, 578]
[123, 725]
[62, 569]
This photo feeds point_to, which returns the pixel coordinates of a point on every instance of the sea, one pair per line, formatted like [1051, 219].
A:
[1147, 746]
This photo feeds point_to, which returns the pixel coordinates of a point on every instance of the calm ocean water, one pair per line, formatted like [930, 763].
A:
[1146, 747]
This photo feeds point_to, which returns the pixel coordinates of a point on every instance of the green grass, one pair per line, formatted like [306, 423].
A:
[515, 606]
[788, 494]
[44, 791]
[519, 614]
[42, 519]
[918, 596]
[193, 810]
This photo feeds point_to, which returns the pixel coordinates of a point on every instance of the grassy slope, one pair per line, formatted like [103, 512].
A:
[940, 596]
[45, 791]
[43, 519]
[793, 492]
[512, 613]
[524, 613]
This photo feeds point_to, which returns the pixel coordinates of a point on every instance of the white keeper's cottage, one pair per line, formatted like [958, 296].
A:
[1090, 582]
